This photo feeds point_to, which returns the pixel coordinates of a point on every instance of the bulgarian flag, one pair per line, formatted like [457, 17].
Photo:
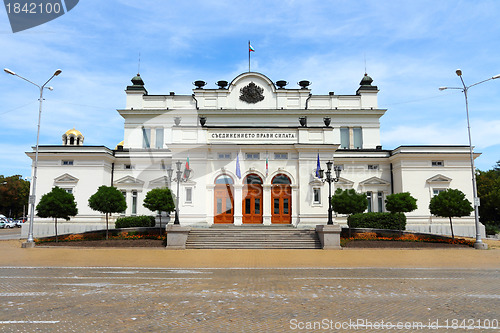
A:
[187, 168]
[267, 166]
[250, 47]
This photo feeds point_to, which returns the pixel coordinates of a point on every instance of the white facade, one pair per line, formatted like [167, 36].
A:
[253, 123]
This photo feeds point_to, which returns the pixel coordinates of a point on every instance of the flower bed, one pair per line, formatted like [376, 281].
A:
[94, 236]
[373, 236]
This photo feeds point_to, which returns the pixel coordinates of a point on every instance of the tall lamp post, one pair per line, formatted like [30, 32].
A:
[479, 243]
[32, 199]
[179, 177]
[330, 179]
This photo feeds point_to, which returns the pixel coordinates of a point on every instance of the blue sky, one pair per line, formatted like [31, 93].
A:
[411, 49]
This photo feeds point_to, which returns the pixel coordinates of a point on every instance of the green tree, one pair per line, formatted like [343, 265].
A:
[488, 190]
[450, 203]
[107, 200]
[14, 193]
[159, 199]
[400, 203]
[349, 202]
[57, 204]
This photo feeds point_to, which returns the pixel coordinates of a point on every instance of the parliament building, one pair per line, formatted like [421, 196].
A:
[252, 146]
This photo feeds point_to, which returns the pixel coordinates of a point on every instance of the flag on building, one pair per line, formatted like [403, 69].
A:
[185, 176]
[250, 47]
[318, 167]
[238, 171]
[267, 166]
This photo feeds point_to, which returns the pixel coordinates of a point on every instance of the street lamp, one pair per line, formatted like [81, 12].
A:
[330, 179]
[479, 243]
[181, 176]
[32, 198]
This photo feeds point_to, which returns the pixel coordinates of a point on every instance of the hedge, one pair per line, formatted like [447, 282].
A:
[378, 221]
[135, 221]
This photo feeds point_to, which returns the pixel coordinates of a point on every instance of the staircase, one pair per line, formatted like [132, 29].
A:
[252, 237]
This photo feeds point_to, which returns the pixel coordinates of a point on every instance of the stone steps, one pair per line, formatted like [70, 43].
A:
[252, 238]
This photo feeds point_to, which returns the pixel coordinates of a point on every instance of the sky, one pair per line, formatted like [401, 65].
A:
[409, 48]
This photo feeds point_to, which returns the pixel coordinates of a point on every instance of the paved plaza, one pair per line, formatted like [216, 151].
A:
[99, 290]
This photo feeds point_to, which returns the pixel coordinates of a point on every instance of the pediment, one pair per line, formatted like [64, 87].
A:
[129, 180]
[66, 178]
[374, 181]
[344, 182]
[159, 181]
[439, 179]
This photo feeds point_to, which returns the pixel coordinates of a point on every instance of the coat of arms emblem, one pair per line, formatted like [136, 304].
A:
[251, 93]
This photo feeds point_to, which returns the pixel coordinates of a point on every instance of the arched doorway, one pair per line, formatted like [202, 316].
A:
[281, 196]
[223, 200]
[252, 199]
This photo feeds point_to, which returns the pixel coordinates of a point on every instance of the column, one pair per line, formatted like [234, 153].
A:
[266, 204]
[238, 211]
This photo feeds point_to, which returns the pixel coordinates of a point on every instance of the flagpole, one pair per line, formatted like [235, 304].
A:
[249, 56]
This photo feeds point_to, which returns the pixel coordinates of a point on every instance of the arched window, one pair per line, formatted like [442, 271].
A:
[281, 179]
[72, 141]
[224, 179]
[253, 179]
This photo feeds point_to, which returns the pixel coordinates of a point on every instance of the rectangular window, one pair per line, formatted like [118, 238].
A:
[276, 206]
[228, 206]
[437, 163]
[146, 138]
[285, 206]
[316, 196]
[344, 138]
[369, 198]
[380, 199]
[219, 206]
[124, 193]
[372, 166]
[189, 194]
[68, 190]
[128, 166]
[247, 206]
[67, 162]
[257, 206]
[280, 156]
[159, 138]
[252, 156]
[436, 191]
[134, 202]
[224, 156]
[357, 134]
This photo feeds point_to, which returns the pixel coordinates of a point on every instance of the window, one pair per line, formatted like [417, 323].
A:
[437, 163]
[159, 138]
[252, 156]
[369, 198]
[128, 166]
[316, 196]
[380, 201]
[344, 138]
[70, 162]
[357, 137]
[372, 166]
[189, 194]
[224, 156]
[124, 193]
[280, 156]
[436, 191]
[68, 190]
[146, 137]
[134, 202]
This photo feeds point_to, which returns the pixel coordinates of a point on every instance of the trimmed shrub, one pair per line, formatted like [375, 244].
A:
[135, 221]
[378, 221]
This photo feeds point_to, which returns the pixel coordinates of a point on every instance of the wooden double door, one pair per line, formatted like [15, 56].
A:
[224, 204]
[281, 196]
[252, 204]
